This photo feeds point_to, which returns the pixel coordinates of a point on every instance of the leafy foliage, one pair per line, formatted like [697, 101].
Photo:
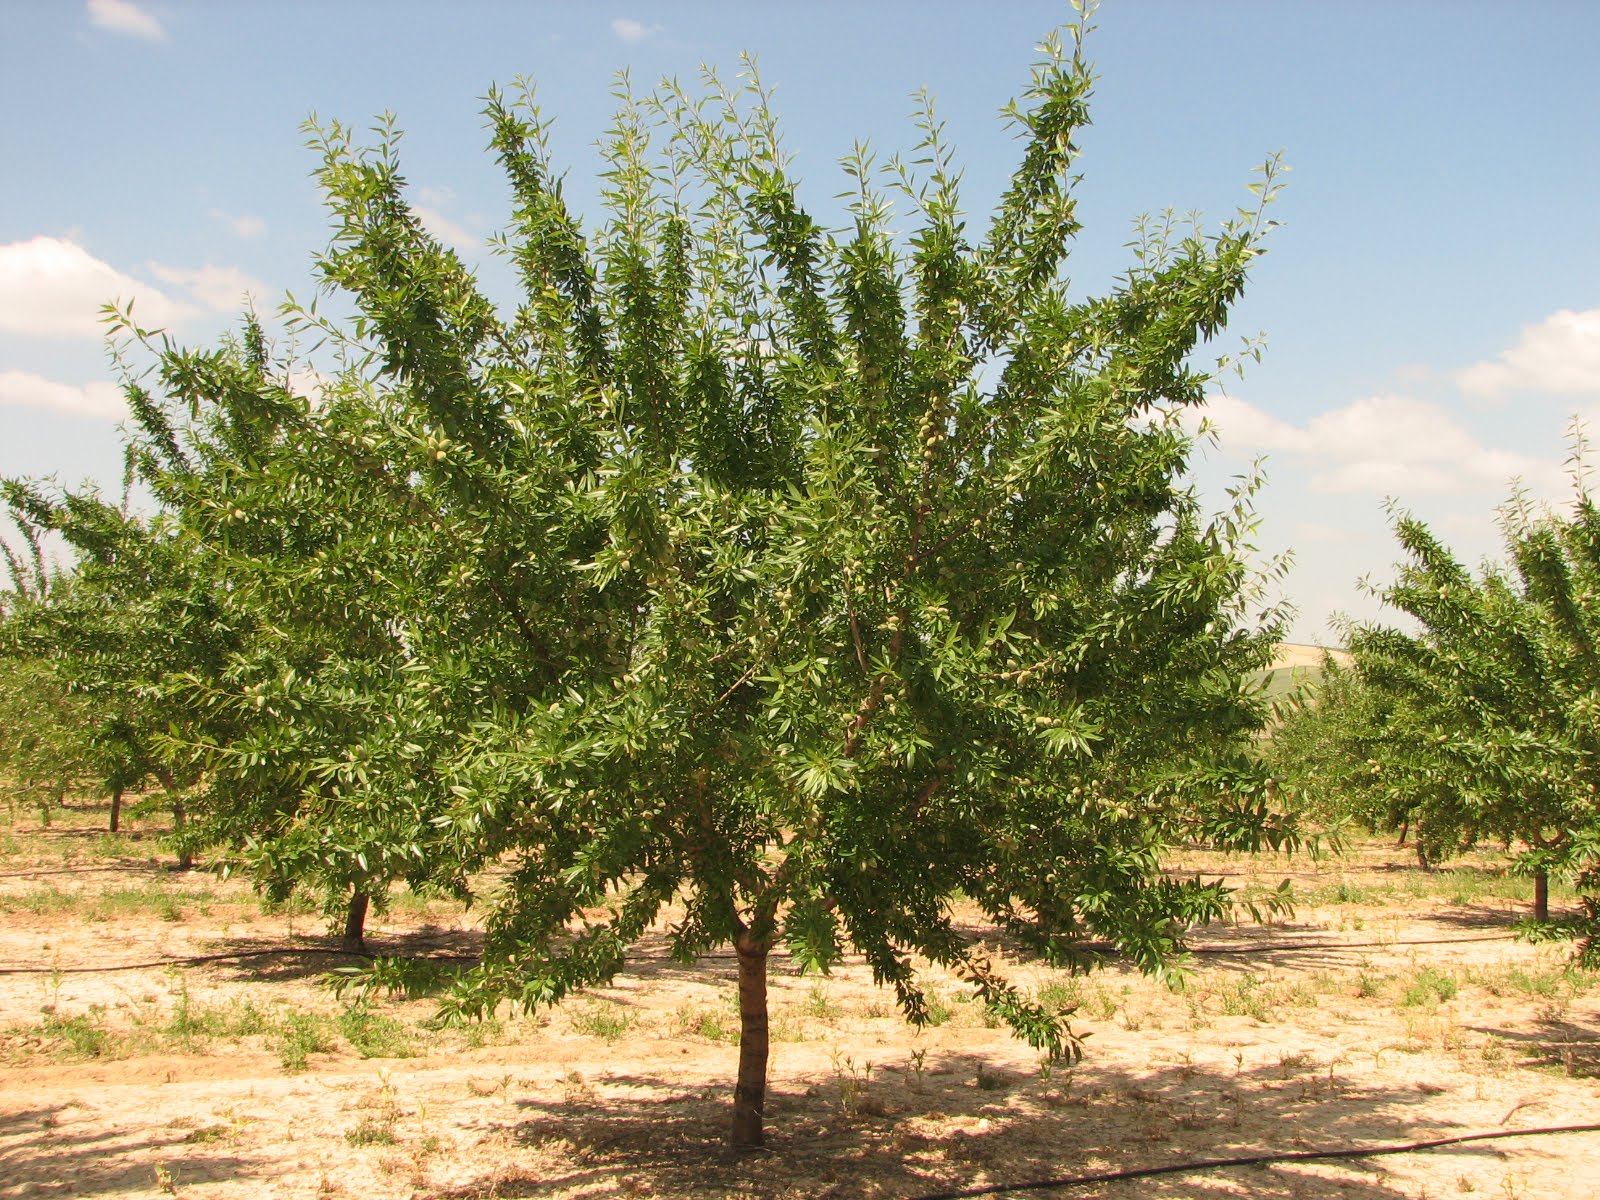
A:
[1483, 724]
[782, 581]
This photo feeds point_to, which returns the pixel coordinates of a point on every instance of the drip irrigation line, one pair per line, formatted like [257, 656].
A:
[1310, 945]
[1253, 1160]
[197, 960]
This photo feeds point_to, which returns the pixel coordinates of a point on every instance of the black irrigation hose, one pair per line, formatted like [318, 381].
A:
[196, 960]
[207, 958]
[1212, 1164]
[1309, 945]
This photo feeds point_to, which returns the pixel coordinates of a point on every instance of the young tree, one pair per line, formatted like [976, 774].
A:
[53, 736]
[1484, 725]
[262, 705]
[780, 581]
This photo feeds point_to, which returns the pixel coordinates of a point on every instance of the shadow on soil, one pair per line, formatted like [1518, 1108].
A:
[1557, 1041]
[959, 1125]
[41, 1154]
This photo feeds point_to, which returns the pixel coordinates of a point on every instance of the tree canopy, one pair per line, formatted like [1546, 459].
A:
[774, 583]
[1481, 725]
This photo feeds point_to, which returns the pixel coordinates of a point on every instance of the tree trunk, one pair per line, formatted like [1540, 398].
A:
[180, 818]
[116, 809]
[750, 1092]
[1541, 897]
[354, 940]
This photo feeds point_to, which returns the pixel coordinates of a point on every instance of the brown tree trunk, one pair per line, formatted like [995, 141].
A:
[750, 1092]
[116, 809]
[180, 818]
[1541, 897]
[354, 940]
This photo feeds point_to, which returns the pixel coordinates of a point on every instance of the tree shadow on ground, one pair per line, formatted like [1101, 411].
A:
[42, 1154]
[1559, 1040]
[958, 1123]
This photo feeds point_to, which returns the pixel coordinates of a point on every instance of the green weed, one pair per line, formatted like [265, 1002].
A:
[371, 1131]
[1428, 987]
[704, 1023]
[300, 1036]
[84, 1034]
[373, 1035]
[818, 1004]
[601, 1020]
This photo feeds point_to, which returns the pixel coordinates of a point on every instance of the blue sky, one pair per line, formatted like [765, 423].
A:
[1431, 304]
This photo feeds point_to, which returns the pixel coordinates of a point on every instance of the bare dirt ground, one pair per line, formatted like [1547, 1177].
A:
[1393, 1007]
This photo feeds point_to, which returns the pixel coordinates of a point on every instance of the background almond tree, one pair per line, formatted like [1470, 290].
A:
[773, 582]
[1483, 724]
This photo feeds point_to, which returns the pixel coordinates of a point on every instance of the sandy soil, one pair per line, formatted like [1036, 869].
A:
[1389, 1010]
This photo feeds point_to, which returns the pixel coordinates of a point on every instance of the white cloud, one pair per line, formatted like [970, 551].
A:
[446, 229]
[630, 30]
[1380, 445]
[19, 389]
[245, 225]
[221, 289]
[1560, 355]
[50, 287]
[1245, 428]
[123, 16]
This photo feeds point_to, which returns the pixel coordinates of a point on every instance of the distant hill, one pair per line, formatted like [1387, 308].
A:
[1294, 663]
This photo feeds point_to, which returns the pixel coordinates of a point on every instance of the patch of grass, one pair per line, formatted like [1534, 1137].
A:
[300, 1036]
[1428, 987]
[84, 1034]
[114, 845]
[296, 904]
[819, 1004]
[713, 1026]
[1073, 995]
[373, 1035]
[371, 1131]
[151, 898]
[490, 1031]
[605, 1021]
[1341, 891]
[1369, 985]
[187, 1027]
[41, 901]
[1260, 997]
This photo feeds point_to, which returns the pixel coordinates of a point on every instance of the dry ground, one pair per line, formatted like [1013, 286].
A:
[1393, 1007]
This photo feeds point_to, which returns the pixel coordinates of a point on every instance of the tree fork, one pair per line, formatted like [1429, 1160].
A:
[750, 1091]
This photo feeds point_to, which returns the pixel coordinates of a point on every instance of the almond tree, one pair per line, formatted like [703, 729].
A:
[775, 582]
[1483, 724]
